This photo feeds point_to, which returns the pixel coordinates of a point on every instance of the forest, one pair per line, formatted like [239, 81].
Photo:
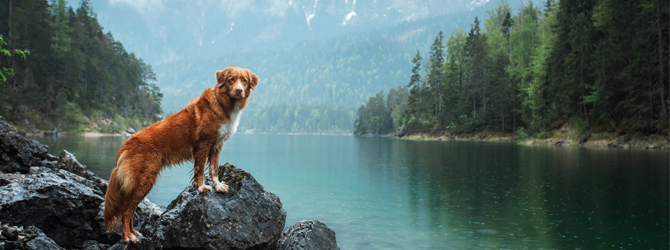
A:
[59, 70]
[598, 66]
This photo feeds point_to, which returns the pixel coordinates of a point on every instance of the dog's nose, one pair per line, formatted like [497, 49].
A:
[238, 91]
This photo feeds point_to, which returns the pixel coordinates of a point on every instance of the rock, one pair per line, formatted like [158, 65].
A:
[248, 216]
[29, 238]
[35, 131]
[649, 147]
[68, 162]
[21, 133]
[583, 140]
[8, 178]
[60, 203]
[52, 133]
[561, 143]
[94, 245]
[130, 131]
[307, 235]
[18, 154]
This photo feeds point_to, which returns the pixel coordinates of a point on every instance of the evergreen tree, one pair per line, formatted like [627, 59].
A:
[434, 79]
[76, 78]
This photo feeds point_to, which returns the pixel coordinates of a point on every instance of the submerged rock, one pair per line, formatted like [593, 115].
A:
[248, 216]
[307, 235]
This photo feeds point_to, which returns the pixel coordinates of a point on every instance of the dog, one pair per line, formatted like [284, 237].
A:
[196, 133]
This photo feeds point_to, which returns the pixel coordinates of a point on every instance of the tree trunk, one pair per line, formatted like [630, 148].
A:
[484, 112]
[513, 110]
[474, 107]
[502, 109]
[11, 42]
[581, 78]
[661, 86]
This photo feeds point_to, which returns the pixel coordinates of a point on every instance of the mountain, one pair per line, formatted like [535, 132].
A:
[164, 31]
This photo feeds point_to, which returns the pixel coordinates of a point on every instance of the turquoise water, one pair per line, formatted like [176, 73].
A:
[380, 193]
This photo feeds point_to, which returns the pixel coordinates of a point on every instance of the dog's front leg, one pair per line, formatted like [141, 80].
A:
[199, 169]
[214, 170]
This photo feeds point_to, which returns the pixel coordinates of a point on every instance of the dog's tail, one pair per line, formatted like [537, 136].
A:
[119, 185]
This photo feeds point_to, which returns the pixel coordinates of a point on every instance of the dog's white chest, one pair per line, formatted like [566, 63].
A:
[229, 128]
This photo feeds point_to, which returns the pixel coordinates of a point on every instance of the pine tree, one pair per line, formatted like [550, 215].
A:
[435, 77]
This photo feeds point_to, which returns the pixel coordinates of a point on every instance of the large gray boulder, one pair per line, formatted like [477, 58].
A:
[62, 204]
[18, 154]
[248, 216]
[307, 235]
[68, 162]
[67, 207]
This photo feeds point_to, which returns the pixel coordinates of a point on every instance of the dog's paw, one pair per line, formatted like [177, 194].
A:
[131, 238]
[204, 188]
[138, 234]
[221, 187]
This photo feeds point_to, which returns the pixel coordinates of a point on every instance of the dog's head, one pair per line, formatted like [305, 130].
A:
[235, 83]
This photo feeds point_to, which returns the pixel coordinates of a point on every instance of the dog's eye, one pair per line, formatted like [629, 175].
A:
[245, 80]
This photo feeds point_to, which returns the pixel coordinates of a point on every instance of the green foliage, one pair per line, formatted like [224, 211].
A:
[4, 72]
[382, 114]
[76, 76]
[594, 63]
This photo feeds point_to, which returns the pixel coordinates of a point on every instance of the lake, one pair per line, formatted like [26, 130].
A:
[382, 193]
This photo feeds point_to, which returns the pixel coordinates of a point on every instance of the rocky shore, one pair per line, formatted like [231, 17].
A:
[49, 202]
[562, 137]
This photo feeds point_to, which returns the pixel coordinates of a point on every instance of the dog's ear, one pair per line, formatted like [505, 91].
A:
[254, 80]
[221, 75]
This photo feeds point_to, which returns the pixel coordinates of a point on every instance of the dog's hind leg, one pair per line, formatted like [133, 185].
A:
[144, 182]
[135, 198]
[132, 228]
[127, 224]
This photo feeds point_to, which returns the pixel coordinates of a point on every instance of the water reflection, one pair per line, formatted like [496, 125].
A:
[97, 152]
[495, 195]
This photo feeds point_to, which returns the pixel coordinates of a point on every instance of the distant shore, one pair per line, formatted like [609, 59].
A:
[300, 133]
[560, 137]
[88, 134]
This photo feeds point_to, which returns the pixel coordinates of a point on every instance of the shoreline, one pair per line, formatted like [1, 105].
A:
[99, 134]
[296, 133]
[86, 134]
[561, 138]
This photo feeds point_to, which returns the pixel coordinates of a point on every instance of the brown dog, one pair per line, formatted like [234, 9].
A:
[196, 133]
